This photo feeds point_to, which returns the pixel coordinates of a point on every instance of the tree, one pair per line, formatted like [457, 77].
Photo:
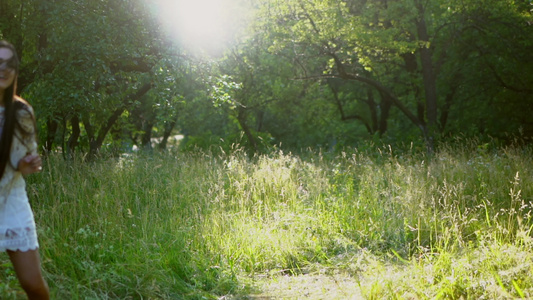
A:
[399, 48]
[97, 63]
[250, 84]
[101, 72]
[489, 67]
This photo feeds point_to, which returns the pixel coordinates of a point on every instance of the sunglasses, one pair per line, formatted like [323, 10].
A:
[10, 64]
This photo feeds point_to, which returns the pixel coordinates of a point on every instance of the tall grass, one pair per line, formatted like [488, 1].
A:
[199, 226]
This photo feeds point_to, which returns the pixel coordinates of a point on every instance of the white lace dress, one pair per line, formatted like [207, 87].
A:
[17, 225]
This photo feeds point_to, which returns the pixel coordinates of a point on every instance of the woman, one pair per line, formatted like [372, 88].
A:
[18, 156]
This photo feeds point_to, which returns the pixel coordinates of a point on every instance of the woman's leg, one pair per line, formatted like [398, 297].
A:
[28, 268]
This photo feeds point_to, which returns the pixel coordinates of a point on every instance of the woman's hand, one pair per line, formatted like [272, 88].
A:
[30, 164]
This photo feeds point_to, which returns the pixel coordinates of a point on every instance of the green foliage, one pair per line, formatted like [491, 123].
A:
[382, 42]
[102, 74]
[223, 90]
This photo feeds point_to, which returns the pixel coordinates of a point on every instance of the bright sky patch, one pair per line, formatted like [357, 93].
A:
[199, 24]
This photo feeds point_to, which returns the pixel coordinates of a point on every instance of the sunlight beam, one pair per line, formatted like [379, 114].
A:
[198, 24]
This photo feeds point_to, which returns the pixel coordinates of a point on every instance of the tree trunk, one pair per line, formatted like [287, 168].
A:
[369, 127]
[51, 130]
[386, 104]
[95, 142]
[241, 118]
[74, 136]
[373, 107]
[166, 134]
[446, 109]
[430, 86]
[146, 139]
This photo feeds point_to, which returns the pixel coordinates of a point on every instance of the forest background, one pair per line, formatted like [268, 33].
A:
[296, 74]
[382, 146]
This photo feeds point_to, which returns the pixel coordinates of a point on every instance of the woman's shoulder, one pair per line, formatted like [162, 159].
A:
[23, 108]
[22, 104]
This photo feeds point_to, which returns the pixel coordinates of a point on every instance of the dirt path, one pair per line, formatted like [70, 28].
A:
[309, 286]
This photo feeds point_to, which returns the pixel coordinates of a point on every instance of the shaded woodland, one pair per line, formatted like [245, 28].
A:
[106, 75]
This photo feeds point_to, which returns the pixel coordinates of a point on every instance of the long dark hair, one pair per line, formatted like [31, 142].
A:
[12, 104]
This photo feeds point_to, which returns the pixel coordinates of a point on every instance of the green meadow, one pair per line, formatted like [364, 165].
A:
[393, 224]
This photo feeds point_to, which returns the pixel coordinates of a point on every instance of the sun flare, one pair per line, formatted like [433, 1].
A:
[205, 24]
